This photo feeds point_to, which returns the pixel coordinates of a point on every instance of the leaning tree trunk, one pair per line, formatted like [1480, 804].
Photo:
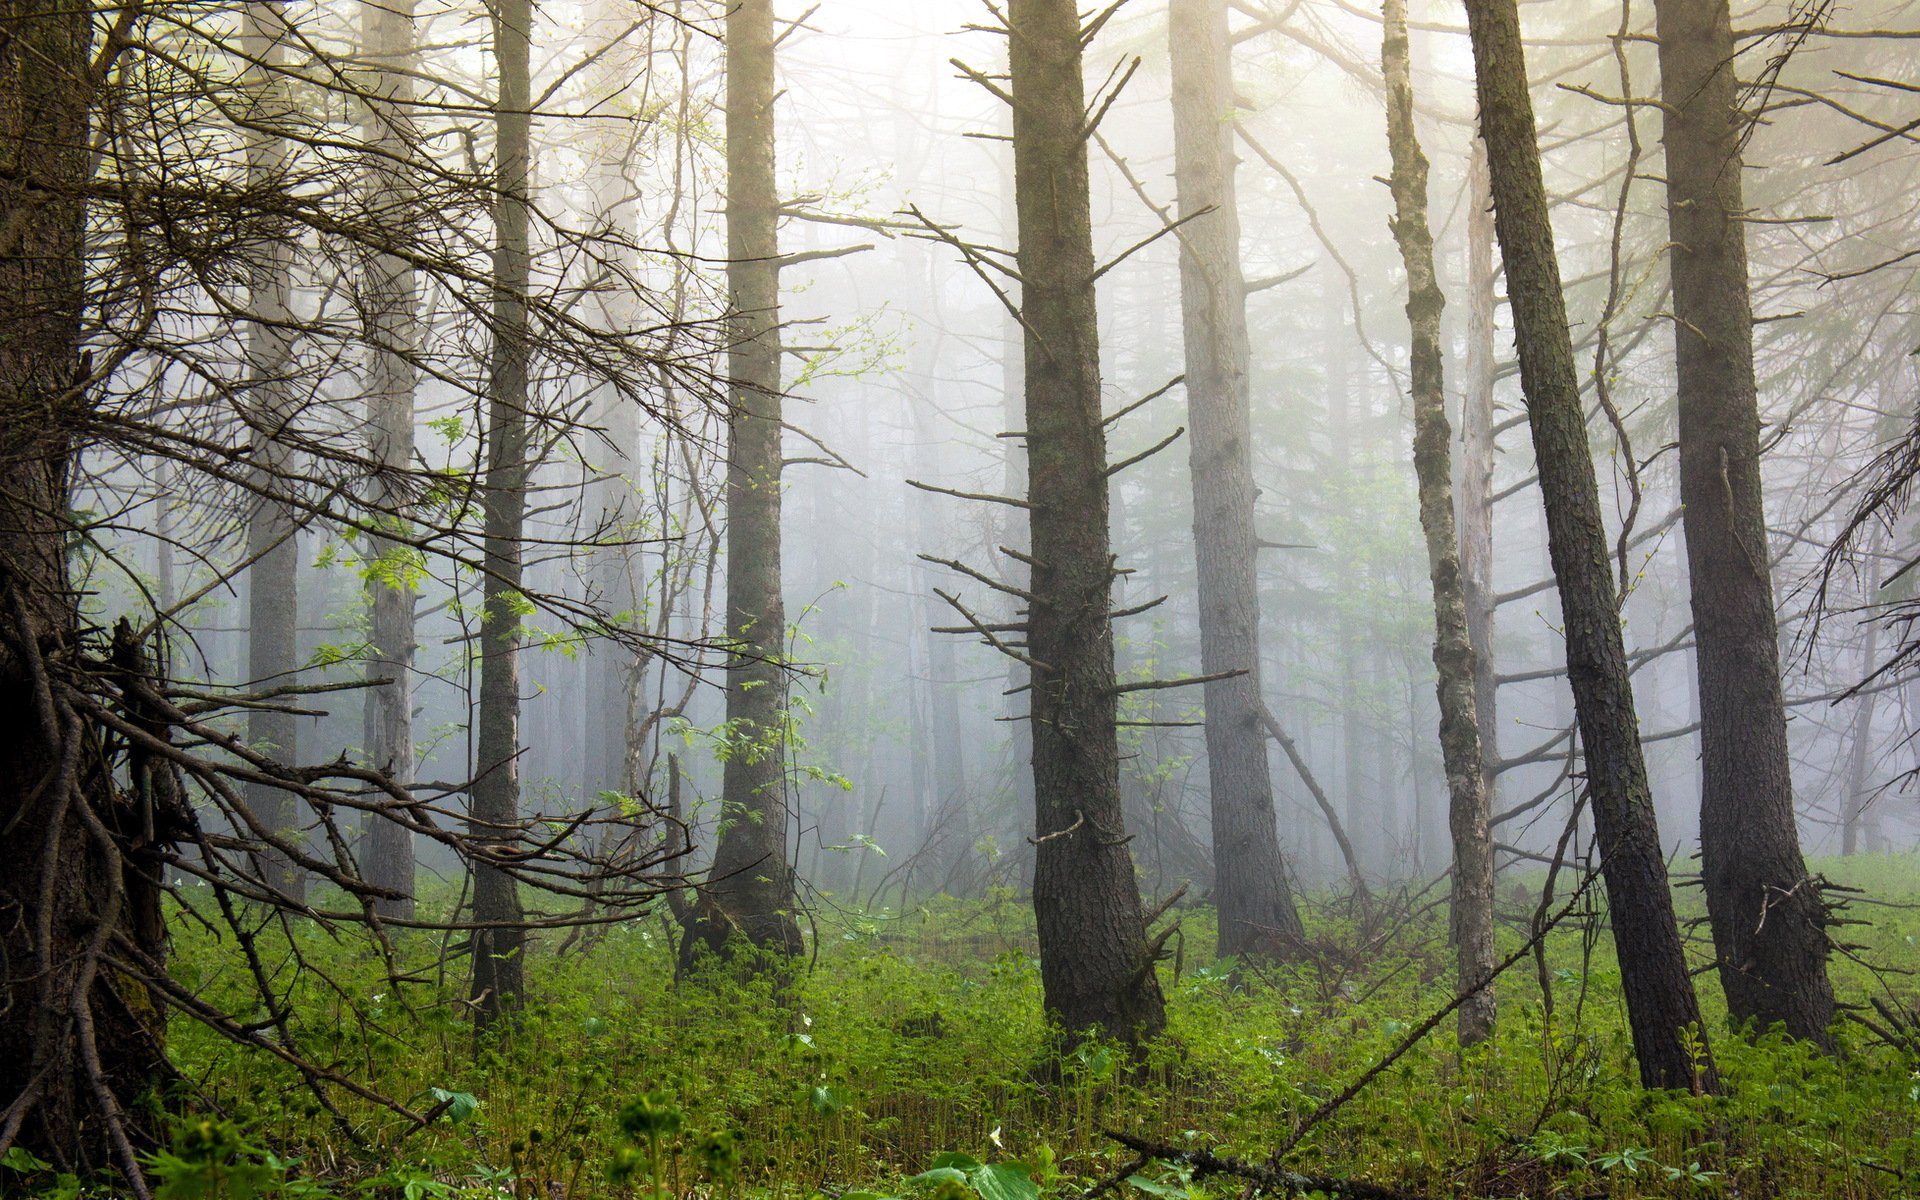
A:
[1257, 915]
[1767, 913]
[273, 543]
[499, 940]
[750, 889]
[80, 1043]
[392, 305]
[1662, 1010]
[1460, 750]
[1095, 965]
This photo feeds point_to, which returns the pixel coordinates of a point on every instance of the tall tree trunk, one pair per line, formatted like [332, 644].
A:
[80, 1044]
[1467, 803]
[1859, 783]
[392, 303]
[1477, 454]
[751, 887]
[1662, 1010]
[1767, 913]
[1095, 965]
[1257, 915]
[273, 541]
[499, 975]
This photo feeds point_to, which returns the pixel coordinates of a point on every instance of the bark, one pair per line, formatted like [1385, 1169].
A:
[498, 945]
[1095, 965]
[1767, 913]
[1477, 452]
[1467, 803]
[750, 891]
[1664, 1014]
[1855, 817]
[80, 1044]
[1257, 915]
[273, 543]
[392, 305]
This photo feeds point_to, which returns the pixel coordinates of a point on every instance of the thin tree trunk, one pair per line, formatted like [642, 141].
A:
[1257, 916]
[393, 299]
[1668, 1037]
[273, 543]
[1767, 913]
[499, 976]
[1467, 803]
[751, 887]
[1859, 785]
[1477, 453]
[1095, 966]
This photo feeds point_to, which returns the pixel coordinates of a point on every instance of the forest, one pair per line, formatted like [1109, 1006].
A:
[959, 599]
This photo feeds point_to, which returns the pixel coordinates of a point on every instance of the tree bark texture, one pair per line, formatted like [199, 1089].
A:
[498, 941]
[273, 536]
[1467, 804]
[750, 890]
[1250, 888]
[1095, 966]
[80, 1044]
[1662, 1010]
[392, 305]
[1767, 913]
[1477, 454]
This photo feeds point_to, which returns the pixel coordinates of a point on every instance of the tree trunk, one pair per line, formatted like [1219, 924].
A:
[1467, 803]
[1859, 784]
[80, 1045]
[273, 542]
[499, 974]
[1767, 913]
[750, 890]
[1095, 965]
[1477, 453]
[392, 305]
[1662, 1010]
[1257, 915]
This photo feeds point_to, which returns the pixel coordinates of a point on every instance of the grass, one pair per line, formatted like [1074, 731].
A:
[916, 1035]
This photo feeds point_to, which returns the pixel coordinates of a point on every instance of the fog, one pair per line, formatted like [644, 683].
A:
[902, 368]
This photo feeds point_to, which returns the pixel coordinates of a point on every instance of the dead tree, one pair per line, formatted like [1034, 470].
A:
[1468, 806]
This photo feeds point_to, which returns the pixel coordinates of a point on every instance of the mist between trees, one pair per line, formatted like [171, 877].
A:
[494, 474]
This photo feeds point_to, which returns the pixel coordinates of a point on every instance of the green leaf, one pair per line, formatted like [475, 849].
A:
[826, 1100]
[463, 1104]
[24, 1160]
[1004, 1181]
[1153, 1188]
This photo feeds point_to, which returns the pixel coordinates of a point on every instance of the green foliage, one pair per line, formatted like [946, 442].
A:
[214, 1160]
[912, 1062]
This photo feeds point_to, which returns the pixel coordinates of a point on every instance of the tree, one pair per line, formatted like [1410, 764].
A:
[273, 533]
[1662, 1010]
[1767, 912]
[498, 939]
[750, 889]
[392, 303]
[1095, 963]
[1453, 657]
[76, 1035]
[1256, 909]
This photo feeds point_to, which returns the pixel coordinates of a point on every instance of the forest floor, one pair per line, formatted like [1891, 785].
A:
[909, 1059]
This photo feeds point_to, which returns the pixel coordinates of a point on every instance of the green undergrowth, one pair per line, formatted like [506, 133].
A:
[910, 1059]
